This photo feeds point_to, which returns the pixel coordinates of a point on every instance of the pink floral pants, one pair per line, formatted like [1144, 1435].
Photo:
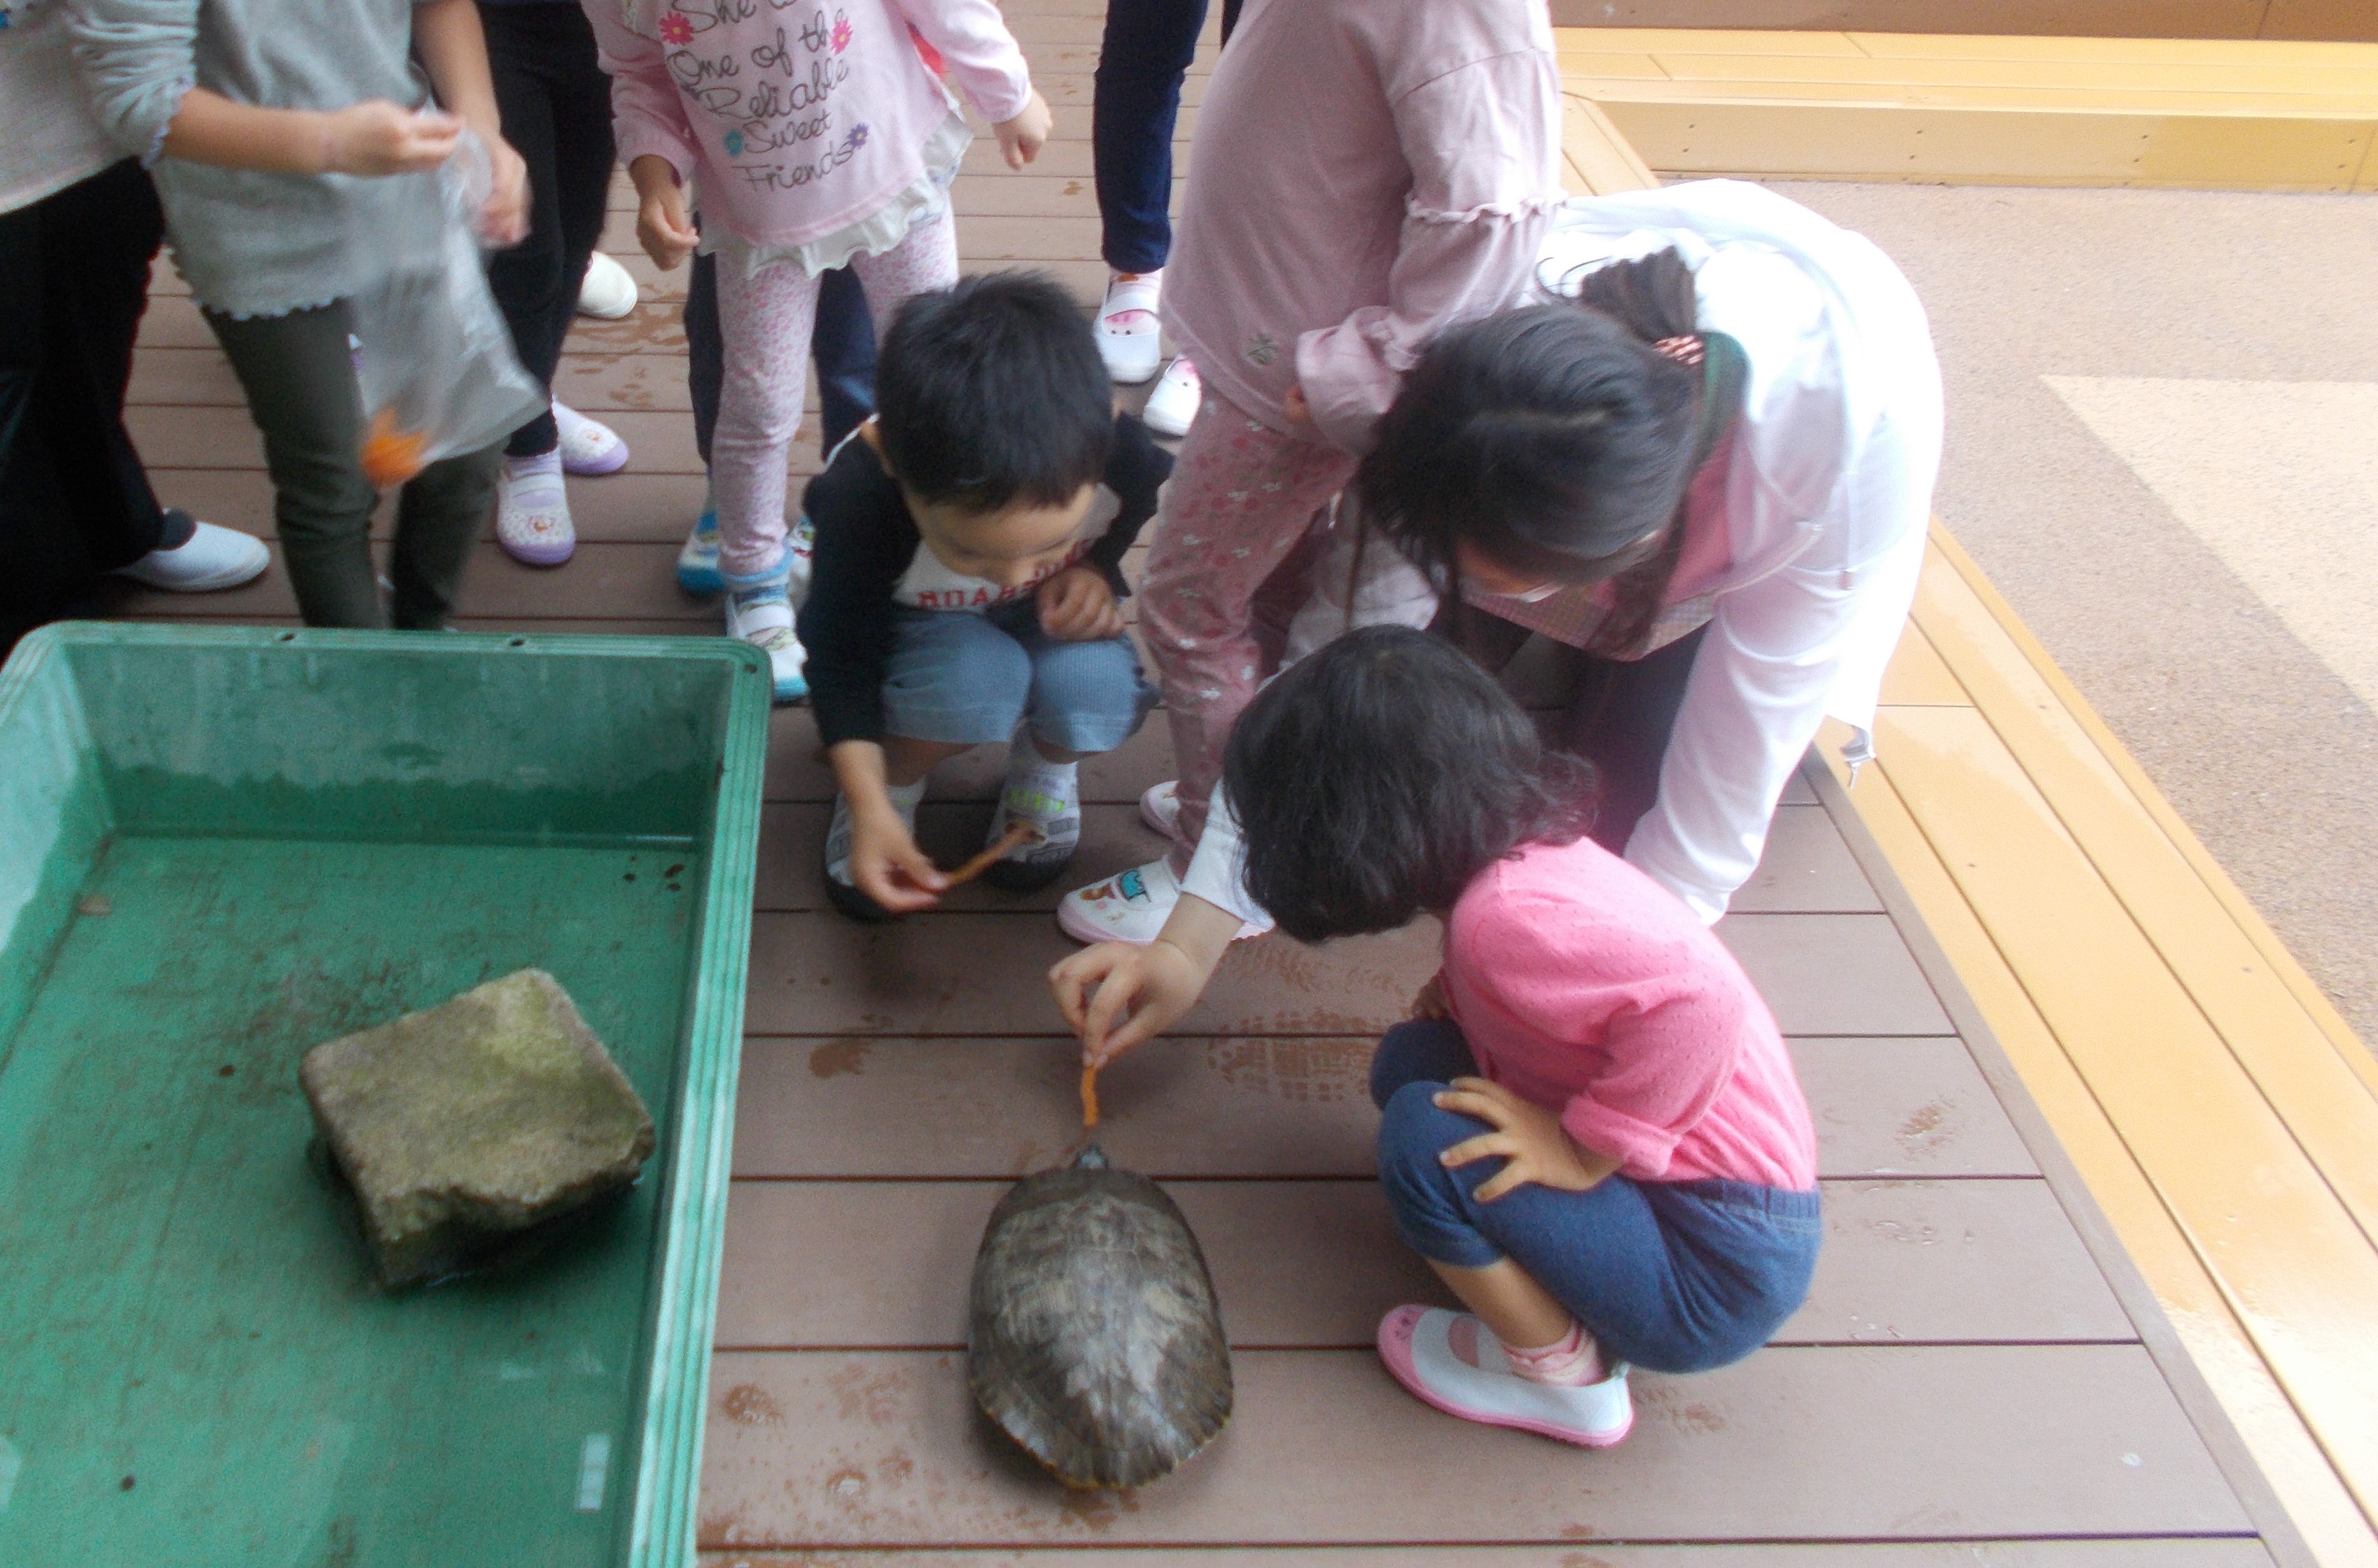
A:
[765, 320]
[1243, 498]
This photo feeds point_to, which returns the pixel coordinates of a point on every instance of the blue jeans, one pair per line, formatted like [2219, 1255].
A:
[964, 678]
[1674, 1276]
[1135, 98]
[842, 344]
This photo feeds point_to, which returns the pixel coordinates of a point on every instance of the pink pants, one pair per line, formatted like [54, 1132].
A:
[1241, 499]
[765, 322]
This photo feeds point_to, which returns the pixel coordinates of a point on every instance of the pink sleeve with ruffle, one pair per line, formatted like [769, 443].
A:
[1482, 142]
[980, 54]
[647, 115]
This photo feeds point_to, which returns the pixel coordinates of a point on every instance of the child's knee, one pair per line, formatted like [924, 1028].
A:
[1431, 1204]
[1430, 1049]
[1088, 697]
[954, 678]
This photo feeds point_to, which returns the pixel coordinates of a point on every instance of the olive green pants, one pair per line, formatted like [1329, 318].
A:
[301, 391]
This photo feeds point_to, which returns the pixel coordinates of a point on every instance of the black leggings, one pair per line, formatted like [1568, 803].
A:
[74, 501]
[556, 104]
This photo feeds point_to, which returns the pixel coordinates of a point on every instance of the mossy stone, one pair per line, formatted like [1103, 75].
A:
[473, 1120]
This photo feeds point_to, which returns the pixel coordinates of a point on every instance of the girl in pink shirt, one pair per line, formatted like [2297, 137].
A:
[813, 136]
[1590, 1129]
[1366, 173]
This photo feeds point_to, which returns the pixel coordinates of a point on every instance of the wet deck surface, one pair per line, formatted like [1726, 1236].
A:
[1963, 1385]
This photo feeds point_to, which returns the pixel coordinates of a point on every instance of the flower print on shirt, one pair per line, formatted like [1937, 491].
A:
[677, 29]
[841, 32]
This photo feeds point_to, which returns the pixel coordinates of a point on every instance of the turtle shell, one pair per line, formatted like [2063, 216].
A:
[1093, 1337]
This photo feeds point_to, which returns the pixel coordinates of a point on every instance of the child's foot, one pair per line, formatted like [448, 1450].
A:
[533, 511]
[1129, 334]
[1047, 794]
[840, 890]
[697, 563]
[589, 448]
[207, 560]
[1131, 907]
[759, 610]
[1172, 405]
[1159, 805]
[608, 291]
[1449, 1360]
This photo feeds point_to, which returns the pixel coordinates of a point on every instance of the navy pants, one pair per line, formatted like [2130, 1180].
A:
[1673, 1277]
[1136, 97]
[842, 344]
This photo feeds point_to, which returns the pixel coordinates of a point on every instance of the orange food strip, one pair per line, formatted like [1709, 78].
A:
[1089, 1097]
[390, 456]
[1017, 835]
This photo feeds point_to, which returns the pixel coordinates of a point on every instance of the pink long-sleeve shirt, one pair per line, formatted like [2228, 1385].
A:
[1583, 986]
[799, 122]
[1366, 173]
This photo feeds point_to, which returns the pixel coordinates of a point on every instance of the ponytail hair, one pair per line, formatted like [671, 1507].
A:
[1556, 440]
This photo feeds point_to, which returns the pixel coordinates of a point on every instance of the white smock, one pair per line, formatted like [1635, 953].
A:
[1827, 498]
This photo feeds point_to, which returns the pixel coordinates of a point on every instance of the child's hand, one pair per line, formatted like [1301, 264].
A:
[378, 138]
[662, 226]
[503, 221]
[1116, 995]
[1531, 1138]
[1020, 139]
[885, 863]
[1079, 605]
[1293, 407]
[1430, 1001]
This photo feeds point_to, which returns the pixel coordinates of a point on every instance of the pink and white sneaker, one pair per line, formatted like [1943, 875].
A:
[590, 449]
[1131, 908]
[1159, 805]
[1130, 336]
[1171, 405]
[1449, 1360]
[533, 511]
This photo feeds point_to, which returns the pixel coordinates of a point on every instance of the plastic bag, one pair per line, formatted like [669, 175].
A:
[434, 357]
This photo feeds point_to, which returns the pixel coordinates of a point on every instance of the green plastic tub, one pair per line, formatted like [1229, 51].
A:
[219, 848]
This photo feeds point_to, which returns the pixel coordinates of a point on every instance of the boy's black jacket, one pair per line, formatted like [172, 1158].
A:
[865, 540]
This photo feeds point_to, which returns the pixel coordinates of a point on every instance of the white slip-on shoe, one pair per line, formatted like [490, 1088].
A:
[1421, 1347]
[607, 290]
[1172, 405]
[533, 511]
[1131, 908]
[1159, 805]
[211, 559]
[589, 448]
[1130, 336]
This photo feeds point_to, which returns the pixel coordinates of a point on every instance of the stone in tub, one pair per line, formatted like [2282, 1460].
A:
[473, 1120]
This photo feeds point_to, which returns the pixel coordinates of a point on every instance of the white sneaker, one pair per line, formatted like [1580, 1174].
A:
[1172, 405]
[533, 511]
[607, 292]
[1160, 807]
[211, 559]
[1047, 795]
[1423, 1346]
[1130, 336]
[840, 890]
[589, 448]
[1131, 908]
[762, 615]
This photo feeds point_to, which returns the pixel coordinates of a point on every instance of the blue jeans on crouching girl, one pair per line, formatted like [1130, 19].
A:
[1674, 1276]
[964, 678]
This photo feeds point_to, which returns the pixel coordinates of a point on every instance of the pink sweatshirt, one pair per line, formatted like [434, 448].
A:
[1582, 984]
[797, 121]
[1366, 173]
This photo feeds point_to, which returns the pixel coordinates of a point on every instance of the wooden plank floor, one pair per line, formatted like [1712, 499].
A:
[1964, 1385]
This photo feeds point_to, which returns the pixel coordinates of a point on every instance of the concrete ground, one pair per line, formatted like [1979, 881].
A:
[2163, 447]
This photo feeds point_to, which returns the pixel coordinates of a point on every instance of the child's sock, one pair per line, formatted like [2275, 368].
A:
[1046, 795]
[904, 799]
[1571, 1361]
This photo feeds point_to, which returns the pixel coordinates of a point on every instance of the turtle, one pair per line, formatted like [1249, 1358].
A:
[1093, 1337]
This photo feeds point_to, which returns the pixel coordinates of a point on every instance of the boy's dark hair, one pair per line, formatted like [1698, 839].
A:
[1554, 439]
[1380, 776]
[993, 391]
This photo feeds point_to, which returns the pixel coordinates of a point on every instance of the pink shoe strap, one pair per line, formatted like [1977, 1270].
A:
[1571, 1361]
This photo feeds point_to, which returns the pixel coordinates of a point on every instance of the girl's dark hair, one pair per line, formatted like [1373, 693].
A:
[1376, 778]
[1555, 439]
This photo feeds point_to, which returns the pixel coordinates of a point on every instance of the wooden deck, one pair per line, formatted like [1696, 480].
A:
[1978, 1376]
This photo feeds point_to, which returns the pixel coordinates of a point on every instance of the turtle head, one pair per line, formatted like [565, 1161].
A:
[1092, 1157]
